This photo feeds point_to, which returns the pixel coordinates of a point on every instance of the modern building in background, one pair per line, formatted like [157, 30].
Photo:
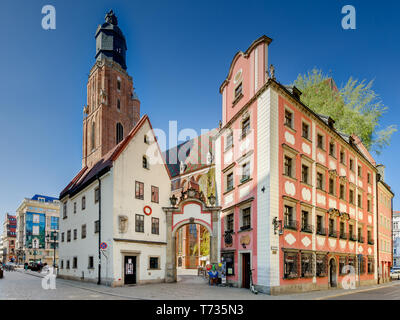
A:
[37, 230]
[9, 238]
[396, 239]
[384, 220]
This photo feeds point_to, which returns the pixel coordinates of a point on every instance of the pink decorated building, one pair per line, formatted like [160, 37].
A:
[298, 197]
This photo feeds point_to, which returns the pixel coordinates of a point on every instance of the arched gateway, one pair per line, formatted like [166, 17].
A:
[190, 209]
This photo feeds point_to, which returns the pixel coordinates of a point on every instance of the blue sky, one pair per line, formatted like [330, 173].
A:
[178, 54]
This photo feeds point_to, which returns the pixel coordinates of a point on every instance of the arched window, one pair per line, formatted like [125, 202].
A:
[93, 135]
[118, 104]
[120, 133]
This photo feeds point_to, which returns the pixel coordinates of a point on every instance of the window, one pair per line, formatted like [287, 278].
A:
[290, 267]
[75, 263]
[139, 223]
[370, 265]
[369, 205]
[351, 196]
[62, 264]
[229, 222]
[351, 232]
[331, 186]
[332, 149]
[369, 238]
[118, 104]
[246, 218]
[96, 226]
[229, 140]
[245, 172]
[146, 139]
[154, 194]
[332, 231]
[64, 210]
[342, 157]
[288, 118]
[359, 201]
[229, 181]
[320, 141]
[75, 234]
[245, 127]
[62, 237]
[305, 130]
[289, 221]
[307, 265]
[118, 84]
[320, 181]
[74, 207]
[154, 263]
[341, 192]
[155, 226]
[67, 264]
[83, 231]
[139, 190]
[68, 235]
[119, 133]
[320, 225]
[359, 171]
[93, 135]
[229, 258]
[305, 226]
[83, 204]
[304, 173]
[342, 230]
[288, 166]
[369, 177]
[91, 263]
[145, 162]
[351, 164]
[360, 237]
[238, 90]
[96, 195]
[342, 263]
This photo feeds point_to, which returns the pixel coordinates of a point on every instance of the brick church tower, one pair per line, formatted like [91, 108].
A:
[112, 108]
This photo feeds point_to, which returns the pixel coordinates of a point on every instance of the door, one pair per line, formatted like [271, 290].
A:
[130, 270]
[246, 270]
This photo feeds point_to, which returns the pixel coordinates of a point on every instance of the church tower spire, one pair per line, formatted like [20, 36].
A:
[113, 107]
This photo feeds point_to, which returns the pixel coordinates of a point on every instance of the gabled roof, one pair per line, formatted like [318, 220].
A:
[193, 160]
[86, 175]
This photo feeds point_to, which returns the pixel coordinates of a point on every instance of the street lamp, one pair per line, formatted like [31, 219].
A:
[54, 237]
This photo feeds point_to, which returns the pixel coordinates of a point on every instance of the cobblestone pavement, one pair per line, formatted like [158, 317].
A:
[27, 285]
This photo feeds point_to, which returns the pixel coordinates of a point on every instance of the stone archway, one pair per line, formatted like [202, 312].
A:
[332, 273]
[188, 211]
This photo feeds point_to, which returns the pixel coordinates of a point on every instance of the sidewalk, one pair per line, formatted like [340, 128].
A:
[195, 288]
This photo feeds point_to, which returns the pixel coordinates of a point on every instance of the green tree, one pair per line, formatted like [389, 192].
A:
[355, 107]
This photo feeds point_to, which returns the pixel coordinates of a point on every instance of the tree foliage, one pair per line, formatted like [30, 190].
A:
[355, 107]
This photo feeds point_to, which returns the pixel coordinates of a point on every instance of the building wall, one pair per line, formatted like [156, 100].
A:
[80, 248]
[384, 231]
[128, 168]
[396, 239]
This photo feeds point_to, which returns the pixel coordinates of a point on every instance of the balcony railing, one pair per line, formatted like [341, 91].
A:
[343, 235]
[352, 237]
[333, 233]
[291, 224]
[307, 228]
[321, 231]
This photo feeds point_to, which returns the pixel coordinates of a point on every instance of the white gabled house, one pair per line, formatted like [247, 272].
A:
[117, 201]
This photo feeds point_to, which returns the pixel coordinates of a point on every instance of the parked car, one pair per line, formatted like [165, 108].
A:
[33, 266]
[395, 274]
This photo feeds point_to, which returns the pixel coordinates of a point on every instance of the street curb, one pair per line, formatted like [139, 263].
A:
[357, 291]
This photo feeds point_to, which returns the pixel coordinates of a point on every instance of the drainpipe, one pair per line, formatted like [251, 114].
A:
[378, 177]
[99, 250]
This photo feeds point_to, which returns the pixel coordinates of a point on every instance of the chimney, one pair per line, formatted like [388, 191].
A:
[381, 171]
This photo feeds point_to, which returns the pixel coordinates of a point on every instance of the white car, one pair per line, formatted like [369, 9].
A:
[395, 274]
